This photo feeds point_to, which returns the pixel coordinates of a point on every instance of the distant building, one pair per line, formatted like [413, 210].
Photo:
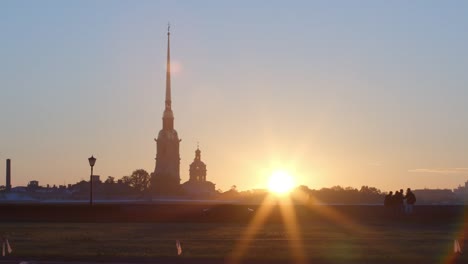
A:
[8, 175]
[197, 184]
[435, 196]
[462, 192]
[33, 184]
[165, 180]
[96, 179]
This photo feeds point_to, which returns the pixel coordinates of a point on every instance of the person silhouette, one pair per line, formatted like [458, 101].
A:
[398, 202]
[388, 200]
[410, 201]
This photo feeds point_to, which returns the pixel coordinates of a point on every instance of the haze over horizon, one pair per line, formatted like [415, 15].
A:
[336, 92]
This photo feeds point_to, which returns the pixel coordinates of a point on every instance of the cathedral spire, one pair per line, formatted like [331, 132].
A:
[168, 116]
[168, 70]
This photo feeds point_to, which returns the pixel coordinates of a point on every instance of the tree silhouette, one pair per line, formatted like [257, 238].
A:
[126, 180]
[139, 180]
[110, 180]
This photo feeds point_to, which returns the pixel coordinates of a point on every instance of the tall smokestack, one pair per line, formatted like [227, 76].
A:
[8, 175]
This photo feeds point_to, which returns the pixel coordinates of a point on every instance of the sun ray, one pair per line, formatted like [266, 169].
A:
[342, 220]
[329, 213]
[450, 256]
[290, 221]
[251, 230]
[295, 240]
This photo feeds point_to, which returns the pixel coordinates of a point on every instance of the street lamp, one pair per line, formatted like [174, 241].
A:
[91, 160]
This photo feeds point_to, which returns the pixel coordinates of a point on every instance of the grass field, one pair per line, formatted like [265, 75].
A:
[318, 242]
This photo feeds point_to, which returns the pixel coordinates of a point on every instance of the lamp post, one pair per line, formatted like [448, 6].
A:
[91, 160]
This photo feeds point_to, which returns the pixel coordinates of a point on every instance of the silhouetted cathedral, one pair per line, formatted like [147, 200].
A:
[166, 178]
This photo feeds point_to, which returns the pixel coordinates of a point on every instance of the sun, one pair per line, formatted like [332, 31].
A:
[280, 182]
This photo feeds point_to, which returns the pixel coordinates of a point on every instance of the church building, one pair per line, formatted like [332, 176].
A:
[165, 180]
[197, 185]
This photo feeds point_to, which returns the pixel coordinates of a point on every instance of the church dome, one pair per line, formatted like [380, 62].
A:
[198, 164]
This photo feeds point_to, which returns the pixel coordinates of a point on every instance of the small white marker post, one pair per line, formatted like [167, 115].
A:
[179, 248]
[8, 246]
[456, 247]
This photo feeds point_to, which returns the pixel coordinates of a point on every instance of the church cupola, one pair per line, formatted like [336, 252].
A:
[198, 168]
[197, 185]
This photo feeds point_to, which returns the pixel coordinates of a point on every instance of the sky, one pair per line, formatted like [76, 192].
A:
[346, 93]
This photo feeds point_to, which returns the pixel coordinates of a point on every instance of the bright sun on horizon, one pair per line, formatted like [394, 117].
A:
[280, 182]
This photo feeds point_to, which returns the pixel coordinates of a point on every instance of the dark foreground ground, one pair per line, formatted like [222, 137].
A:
[211, 212]
[228, 233]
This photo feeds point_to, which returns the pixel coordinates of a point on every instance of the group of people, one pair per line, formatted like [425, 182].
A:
[396, 201]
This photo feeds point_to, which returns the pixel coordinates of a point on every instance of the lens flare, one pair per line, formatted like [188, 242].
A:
[280, 182]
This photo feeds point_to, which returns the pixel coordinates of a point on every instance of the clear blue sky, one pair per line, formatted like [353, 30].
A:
[344, 93]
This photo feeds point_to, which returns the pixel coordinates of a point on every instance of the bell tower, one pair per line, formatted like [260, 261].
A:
[197, 168]
[165, 180]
